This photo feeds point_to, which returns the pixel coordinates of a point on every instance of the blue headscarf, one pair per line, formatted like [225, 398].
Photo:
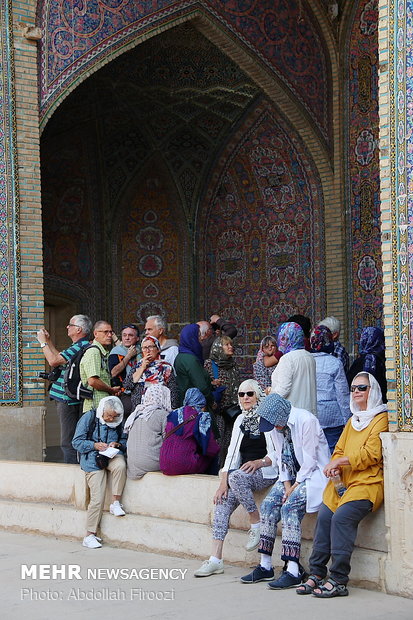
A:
[371, 345]
[290, 337]
[189, 341]
[194, 400]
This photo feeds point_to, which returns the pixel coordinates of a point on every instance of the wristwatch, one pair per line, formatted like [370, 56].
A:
[43, 344]
[263, 462]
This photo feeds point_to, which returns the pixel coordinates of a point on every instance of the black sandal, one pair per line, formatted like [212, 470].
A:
[338, 589]
[306, 588]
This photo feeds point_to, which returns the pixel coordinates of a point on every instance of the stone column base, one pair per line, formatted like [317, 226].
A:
[22, 433]
[398, 504]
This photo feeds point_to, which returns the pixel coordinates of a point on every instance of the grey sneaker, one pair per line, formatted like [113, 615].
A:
[253, 539]
[209, 567]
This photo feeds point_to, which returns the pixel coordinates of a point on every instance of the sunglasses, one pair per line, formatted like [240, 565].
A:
[242, 394]
[360, 388]
[131, 326]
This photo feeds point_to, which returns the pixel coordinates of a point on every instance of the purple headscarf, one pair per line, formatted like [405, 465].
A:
[189, 341]
[290, 337]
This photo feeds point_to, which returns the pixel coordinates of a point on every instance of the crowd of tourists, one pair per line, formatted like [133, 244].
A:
[305, 427]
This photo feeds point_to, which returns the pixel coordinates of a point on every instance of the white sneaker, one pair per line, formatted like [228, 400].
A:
[117, 509]
[209, 567]
[253, 539]
[91, 541]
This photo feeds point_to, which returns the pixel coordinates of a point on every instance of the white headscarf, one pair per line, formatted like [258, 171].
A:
[157, 396]
[116, 405]
[361, 419]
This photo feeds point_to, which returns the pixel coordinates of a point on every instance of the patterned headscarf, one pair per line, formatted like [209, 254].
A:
[218, 355]
[156, 397]
[194, 398]
[290, 337]
[322, 340]
[371, 345]
[194, 402]
[250, 423]
[154, 340]
[189, 341]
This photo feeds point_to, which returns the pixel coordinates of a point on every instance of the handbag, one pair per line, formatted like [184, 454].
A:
[232, 411]
[102, 461]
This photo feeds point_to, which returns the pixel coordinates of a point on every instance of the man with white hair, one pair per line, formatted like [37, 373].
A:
[69, 410]
[340, 352]
[157, 327]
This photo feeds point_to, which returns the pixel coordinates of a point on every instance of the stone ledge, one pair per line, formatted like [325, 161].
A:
[166, 536]
[186, 499]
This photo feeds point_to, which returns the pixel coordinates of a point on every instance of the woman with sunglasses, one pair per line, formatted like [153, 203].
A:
[247, 468]
[150, 370]
[355, 489]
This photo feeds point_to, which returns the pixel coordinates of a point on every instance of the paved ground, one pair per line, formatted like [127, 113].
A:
[101, 596]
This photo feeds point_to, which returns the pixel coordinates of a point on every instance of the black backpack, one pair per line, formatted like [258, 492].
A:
[72, 383]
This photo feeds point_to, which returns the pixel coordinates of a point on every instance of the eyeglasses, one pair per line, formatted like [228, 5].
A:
[72, 325]
[108, 332]
[360, 388]
[242, 394]
[149, 347]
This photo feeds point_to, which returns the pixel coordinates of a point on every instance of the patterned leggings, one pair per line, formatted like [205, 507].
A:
[291, 514]
[242, 486]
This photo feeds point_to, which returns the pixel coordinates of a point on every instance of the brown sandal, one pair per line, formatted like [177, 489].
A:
[306, 588]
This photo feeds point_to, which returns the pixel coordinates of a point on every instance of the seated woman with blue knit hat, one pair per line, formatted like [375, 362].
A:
[301, 455]
[247, 468]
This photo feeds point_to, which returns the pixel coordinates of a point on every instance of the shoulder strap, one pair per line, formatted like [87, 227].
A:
[175, 428]
[91, 429]
[214, 369]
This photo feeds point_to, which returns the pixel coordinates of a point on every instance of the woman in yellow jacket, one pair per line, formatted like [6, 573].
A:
[355, 488]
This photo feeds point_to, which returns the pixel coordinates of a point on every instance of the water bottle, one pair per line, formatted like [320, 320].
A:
[338, 485]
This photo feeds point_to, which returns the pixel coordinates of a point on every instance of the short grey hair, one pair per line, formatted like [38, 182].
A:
[204, 326]
[160, 321]
[332, 323]
[99, 324]
[113, 404]
[84, 322]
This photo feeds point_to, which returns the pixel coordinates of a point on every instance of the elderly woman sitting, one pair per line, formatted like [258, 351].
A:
[145, 428]
[189, 445]
[355, 489]
[96, 431]
[150, 370]
[301, 454]
[248, 468]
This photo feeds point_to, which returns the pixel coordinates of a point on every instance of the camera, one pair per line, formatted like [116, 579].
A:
[51, 376]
